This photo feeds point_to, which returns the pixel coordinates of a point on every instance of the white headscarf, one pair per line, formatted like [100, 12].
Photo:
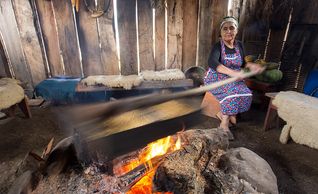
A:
[229, 19]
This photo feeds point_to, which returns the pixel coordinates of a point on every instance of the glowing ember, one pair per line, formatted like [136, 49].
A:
[152, 150]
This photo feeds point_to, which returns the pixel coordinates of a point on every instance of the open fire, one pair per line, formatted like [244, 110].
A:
[194, 161]
[143, 167]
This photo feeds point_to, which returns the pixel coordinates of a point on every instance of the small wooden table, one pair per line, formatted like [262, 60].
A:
[271, 114]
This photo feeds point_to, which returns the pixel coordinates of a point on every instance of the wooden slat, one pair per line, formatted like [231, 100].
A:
[145, 35]
[88, 37]
[107, 40]
[219, 11]
[12, 41]
[205, 32]
[67, 37]
[190, 24]
[275, 45]
[175, 33]
[160, 38]
[48, 27]
[30, 40]
[4, 66]
[127, 36]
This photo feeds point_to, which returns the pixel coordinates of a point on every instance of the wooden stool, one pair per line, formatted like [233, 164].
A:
[210, 105]
[271, 114]
[24, 107]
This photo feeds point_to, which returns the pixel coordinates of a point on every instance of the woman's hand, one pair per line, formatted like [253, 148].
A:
[239, 74]
[254, 67]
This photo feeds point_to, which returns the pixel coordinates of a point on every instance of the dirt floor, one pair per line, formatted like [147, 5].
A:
[294, 165]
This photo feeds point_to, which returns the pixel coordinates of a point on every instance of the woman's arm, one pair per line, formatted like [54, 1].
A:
[230, 72]
[254, 67]
[215, 62]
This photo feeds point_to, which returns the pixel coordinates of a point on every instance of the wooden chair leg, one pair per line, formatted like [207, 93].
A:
[24, 106]
[270, 116]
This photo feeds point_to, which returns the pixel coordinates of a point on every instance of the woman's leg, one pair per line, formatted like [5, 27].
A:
[233, 119]
[225, 122]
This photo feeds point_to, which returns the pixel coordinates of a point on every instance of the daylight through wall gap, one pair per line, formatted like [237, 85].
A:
[117, 36]
[154, 33]
[137, 34]
[77, 41]
[58, 41]
[198, 30]
[166, 35]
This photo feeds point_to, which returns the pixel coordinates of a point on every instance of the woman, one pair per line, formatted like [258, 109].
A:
[226, 60]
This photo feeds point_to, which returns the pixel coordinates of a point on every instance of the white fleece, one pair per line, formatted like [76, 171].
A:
[300, 111]
[10, 92]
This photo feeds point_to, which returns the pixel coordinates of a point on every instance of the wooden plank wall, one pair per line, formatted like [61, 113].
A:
[88, 38]
[47, 38]
[4, 68]
[145, 35]
[67, 37]
[29, 39]
[160, 36]
[12, 44]
[210, 15]
[107, 40]
[190, 23]
[175, 35]
[50, 36]
[127, 36]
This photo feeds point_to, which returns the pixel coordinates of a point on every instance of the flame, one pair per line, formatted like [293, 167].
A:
[154, 149]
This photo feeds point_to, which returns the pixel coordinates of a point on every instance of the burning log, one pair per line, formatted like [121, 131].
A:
[200, 167]
[132, 177]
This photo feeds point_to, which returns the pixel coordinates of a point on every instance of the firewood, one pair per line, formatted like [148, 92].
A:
[131, 178]
[48, 149]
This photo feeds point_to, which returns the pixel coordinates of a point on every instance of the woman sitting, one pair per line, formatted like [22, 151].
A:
[226, 60]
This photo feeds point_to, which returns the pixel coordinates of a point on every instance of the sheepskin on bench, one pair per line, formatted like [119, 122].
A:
[11, 92]
[300, 113]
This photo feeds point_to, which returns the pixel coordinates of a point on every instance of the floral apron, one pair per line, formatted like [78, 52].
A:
[234, 97]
